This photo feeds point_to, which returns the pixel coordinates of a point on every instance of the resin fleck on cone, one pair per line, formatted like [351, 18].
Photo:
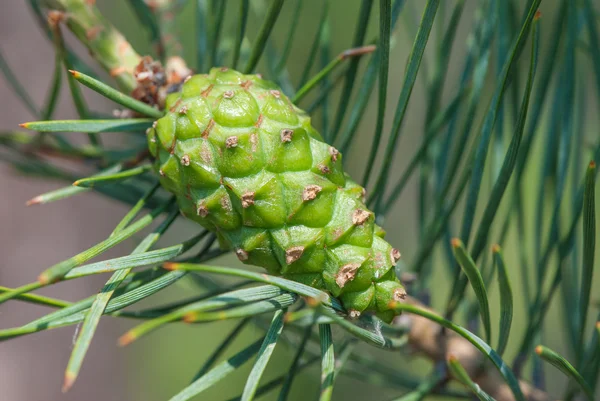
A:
[245, 163]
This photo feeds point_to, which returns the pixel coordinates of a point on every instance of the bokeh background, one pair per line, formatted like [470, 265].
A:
[154, 368]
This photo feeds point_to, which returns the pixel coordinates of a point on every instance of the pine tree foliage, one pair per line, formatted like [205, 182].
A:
[250, 149]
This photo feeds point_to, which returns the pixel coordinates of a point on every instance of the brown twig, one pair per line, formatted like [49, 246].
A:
[105, 43]
[428, 338]
[143, 77]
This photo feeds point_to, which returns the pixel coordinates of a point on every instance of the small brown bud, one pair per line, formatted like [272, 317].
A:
[183, 110]
[286, 135]
[185, 160]
[247, 199]
[346, 273]
[161, 172]
[276, 93]
[241, 254]
[231, 142]
[202, 211]
[293, 254]
[353, 314]
[324, 169]
[310, 192]
[360, 216]
[228, 94]
[394, 256]
[399, 294]
[334, 153]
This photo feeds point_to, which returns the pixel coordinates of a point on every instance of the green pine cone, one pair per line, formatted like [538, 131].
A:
[245, 163]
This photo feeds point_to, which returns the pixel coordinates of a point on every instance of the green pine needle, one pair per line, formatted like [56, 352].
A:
[461, 374]
[96, 126]
[564, 366]
[264, 355]
[115, 95]
[263, 35]
[506, 300]
[476, 280]
[329, 68]
[195, 311]
[90, 182]
[218, 373]
[327, 363]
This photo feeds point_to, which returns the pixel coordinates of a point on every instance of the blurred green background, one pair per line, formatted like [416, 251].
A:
[157, 366]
